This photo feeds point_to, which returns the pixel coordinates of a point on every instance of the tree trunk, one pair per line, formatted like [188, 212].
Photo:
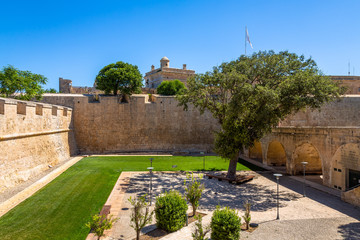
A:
[232, 167]
[137, 235]
[115, 90]
[194, 210]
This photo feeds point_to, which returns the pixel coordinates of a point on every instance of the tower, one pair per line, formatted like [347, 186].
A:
[164, 62]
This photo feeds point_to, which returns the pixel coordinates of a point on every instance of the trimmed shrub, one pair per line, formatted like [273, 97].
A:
[225, 224]
[171, 87]
[170, 211]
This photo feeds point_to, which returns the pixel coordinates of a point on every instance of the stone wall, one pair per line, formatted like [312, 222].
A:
[107, 126]
[352, 196]
[32, 137]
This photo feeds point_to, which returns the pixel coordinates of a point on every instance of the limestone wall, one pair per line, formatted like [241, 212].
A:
[338, 113]
[32, 136]
[107, 126]
[352, 196]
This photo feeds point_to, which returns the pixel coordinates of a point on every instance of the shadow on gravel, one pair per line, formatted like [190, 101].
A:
[216, 192]
[350, 231]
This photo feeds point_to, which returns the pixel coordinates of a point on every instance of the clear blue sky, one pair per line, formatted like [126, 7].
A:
[75, 39]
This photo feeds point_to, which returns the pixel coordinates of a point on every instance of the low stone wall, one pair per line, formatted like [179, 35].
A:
[352, 196]
[32, 137]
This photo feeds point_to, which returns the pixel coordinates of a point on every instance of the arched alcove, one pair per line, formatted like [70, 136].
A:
[345, 170]
[306, 152]
[276, 154]
[255, 152]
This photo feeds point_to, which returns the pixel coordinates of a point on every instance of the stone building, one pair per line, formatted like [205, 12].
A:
[154, 78]
[351, 82]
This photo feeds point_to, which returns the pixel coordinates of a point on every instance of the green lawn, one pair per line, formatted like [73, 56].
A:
[61, 209]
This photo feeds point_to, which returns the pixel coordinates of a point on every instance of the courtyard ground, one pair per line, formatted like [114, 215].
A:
[317, 216]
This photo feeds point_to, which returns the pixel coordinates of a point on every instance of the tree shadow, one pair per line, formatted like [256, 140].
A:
[216, 192]
[350, 231]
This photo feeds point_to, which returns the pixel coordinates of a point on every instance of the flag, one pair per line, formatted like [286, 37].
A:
[248, 38]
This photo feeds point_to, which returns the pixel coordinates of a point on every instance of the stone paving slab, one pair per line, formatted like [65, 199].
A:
[29, 191]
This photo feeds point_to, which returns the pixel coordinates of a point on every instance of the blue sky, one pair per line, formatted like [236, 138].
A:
[75, 39]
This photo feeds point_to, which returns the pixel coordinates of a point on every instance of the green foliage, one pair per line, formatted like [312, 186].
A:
[84, 188]
[193, 190]
[225, 224]
[100, 223]
[119, 76]
[247, 216]
[170, 211]
[139, 217]
[251, 95]
[21, 84]
[51, 90]
[171, 87]
[200, 231]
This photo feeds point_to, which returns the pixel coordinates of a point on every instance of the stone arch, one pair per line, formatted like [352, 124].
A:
[306, 152]
[345, 160]
[255, 152]
[276, 155]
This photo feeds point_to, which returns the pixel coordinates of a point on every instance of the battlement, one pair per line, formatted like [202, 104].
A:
[18, 117]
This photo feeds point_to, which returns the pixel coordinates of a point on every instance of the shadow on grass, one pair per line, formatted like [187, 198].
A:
[250, 165]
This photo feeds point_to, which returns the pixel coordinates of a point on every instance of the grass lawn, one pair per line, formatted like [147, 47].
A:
[61, 209]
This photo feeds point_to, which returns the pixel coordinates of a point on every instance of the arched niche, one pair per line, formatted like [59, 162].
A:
[255, 152]
[345, 166]
[276, 155]
[306, 152]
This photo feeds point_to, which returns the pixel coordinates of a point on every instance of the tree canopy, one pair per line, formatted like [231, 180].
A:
[120, 76]
[21, 84]
[171, 87]
[251, 95]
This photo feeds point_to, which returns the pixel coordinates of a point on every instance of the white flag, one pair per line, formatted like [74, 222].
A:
[248, 38]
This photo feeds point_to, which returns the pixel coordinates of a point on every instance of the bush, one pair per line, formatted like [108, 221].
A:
[170, 211]
[193, 190]
[225, 224]
[172, 87]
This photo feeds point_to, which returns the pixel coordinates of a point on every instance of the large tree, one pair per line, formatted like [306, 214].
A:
[120, 76]
[251, 95]
[21, 84]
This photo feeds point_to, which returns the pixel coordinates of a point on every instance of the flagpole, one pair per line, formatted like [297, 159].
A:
[245, 40]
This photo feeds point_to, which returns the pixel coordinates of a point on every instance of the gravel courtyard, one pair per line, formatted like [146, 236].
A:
[317, 216]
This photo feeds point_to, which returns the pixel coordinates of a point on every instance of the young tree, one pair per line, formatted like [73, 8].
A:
[251, 95]
[193, 190]
[119, 76]
[100, 223]
[139, 218]
[21, 84]
[171, 87]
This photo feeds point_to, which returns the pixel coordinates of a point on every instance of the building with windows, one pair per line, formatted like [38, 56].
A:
[165, 73]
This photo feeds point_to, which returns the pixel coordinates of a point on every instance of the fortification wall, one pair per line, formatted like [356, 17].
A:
[107, 126]
[32, 137]
[337, 113]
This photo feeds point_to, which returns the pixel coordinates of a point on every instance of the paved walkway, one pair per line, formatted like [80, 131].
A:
[318, 216]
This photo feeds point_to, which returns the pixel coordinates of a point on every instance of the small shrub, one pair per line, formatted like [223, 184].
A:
[171, 87]
[225, 224]
[170, 211]
[100, 223]
[247, 216]
[193, 190]
[200, 231]
[139, 218]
